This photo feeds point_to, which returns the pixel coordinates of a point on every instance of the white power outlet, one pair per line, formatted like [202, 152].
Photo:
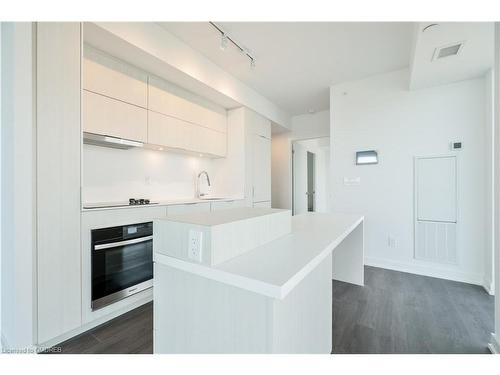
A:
[195, 245]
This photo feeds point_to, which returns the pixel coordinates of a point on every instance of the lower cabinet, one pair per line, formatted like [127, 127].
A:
[266, 204]
[188, 208]
[215, 206]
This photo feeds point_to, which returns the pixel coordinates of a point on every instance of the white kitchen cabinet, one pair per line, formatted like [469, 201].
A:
[171, 132]
[58, 140]
[218, 205]
[259, 124]
[111, 77]
[265, 204]
[107, 116]
[261, 166]
[167, 131]
[188, 208]
[247, 167]
[214, 142]
[172, 101]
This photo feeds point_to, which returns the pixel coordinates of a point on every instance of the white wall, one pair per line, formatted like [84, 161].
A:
[111, 175]
[303, 127]
[380, 113]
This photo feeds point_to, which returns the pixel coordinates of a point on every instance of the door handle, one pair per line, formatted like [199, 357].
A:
[123, 243]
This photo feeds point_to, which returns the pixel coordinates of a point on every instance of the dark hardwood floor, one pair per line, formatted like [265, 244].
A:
[394, 312]
[398, 312]
[127, 334]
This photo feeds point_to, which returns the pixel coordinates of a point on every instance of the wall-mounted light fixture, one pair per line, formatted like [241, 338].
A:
[225, 39]
[366, 157]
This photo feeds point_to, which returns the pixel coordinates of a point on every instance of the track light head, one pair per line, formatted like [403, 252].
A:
[223, 42]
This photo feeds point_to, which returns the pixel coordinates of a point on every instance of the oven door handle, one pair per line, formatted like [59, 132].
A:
[122, 243]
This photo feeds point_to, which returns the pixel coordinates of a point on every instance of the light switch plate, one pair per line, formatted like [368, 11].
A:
[195, 245]
[352, 181]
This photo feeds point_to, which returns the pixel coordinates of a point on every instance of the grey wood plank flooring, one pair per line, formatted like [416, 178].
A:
[394, 312]
[129, 333]
[397, 312]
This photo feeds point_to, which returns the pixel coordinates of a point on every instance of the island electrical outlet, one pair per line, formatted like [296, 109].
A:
[195, 245]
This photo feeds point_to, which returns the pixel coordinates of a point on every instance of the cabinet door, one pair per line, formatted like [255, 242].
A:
[219, 147]
[265, 204]
[188, 208]
[215, 206]
[106, 116]
[172, 101]
[261, 169]
[58, 178]
[108, 76]
[259, 125]
[166, 131]
[214, 142]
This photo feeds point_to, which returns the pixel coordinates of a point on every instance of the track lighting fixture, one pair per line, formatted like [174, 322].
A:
[223, 42]
[225, 39]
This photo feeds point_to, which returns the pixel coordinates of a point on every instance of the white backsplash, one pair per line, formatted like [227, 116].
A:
[111, 175]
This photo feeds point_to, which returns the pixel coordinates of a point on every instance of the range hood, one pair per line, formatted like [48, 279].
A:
[107, 141]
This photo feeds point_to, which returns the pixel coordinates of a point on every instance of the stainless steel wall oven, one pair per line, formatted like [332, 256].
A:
[122, 262]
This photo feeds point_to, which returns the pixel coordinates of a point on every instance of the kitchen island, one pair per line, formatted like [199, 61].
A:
[274, 298]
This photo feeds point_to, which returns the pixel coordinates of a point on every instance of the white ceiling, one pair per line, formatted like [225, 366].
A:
[474, 59]
[296, 62]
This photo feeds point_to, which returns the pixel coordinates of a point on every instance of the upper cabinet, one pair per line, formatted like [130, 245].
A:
[181, 120]
[174, 133]
[259, 125]
[122, 101]
[170, 100]
[107, 76]
[108, 116]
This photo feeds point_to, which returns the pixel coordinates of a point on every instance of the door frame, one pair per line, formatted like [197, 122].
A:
[292, 167]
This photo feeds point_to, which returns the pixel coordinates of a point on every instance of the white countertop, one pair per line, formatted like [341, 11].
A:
[171, 202]
[275, 268]
[222, 216]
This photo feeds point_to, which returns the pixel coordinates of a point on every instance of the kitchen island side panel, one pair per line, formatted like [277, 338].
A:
[302, 321]
[193, 314]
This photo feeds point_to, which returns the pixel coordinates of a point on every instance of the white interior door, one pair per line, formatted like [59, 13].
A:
[299, 179]
[436, 209]
[437, 189]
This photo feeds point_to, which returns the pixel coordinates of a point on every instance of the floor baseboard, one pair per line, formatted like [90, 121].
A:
[489, 288]
[494, 345]
[425, 270]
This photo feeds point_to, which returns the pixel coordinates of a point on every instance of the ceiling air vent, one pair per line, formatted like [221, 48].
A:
[448, 50]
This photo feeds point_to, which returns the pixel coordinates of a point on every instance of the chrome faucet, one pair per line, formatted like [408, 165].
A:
[198, 194]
